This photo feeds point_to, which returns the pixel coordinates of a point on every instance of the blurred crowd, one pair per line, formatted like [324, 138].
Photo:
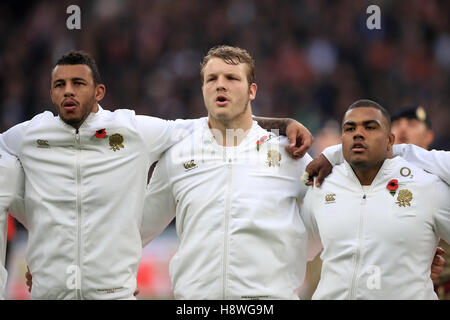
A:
[313, 57]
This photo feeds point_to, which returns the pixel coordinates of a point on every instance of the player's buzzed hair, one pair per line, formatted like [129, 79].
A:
[74, 57]
[231, 55]
[372, 104]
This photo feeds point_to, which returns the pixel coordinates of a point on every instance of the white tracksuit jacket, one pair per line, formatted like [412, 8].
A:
[10, 177]
[84, 198]
[237, 218]
[434, 161]
[377, 246]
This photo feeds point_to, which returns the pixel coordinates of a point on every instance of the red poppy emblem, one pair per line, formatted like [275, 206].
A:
[260, 142]
[392, 186]
[100, 134]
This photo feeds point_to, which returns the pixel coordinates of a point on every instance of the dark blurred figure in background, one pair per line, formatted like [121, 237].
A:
[412, 124]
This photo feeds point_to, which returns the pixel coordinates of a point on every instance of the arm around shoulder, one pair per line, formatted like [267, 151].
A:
[159, 205]
[441, 194]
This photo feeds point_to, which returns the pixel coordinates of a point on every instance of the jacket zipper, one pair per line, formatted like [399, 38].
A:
[227, 219]
[79, 295]
[352, 293]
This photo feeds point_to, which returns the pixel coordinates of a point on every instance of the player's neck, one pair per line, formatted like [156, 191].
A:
[366, 174]
[231, 133]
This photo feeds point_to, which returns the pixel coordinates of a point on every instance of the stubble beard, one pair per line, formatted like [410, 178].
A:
[78, 121]
[227, 120]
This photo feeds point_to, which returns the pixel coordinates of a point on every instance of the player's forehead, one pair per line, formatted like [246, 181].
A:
[67, 72]
[362, 115]
[218, 66]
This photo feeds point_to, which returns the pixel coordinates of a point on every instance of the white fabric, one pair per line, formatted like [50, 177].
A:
[373, 247]
[11, 179]
[84, 198]
[434, 161]
[237, 218]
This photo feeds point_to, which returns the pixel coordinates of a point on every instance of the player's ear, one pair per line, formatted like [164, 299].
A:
[100, 91]
[252, 91]
[391, 138]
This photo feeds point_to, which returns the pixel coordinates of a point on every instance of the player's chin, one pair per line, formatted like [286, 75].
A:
[358, 160]
[70, 118]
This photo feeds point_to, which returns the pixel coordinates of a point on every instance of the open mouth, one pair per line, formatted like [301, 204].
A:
[222, 100]
[69, 105]
[358, 147]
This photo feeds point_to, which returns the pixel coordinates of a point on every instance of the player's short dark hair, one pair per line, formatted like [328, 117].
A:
[74, 57]
[372, 104]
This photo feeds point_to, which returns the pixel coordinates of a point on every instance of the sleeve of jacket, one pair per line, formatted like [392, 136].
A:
[9, 177]
[159, 135]
[12, 139]
[3, 272]
[17, 206]
[314, 245]
[434, 161]
[441, 193]
[334, 154]
[159, 205]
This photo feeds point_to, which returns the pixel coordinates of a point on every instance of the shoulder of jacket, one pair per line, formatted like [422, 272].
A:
[418, 175]
[119, 114]
[7, 160]
[123, 112]
[193, 141]
[42, 117]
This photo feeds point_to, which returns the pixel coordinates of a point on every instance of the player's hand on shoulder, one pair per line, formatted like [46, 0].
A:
[319, 167]
[300, 139]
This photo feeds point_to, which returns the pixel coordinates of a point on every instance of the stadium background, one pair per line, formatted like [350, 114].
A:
[313, 59]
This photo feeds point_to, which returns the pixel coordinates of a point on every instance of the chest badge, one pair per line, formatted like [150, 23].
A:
[189, 165]
[42, 143]
[116, 142]
[330, 198]
[404, 198]
[273, 158]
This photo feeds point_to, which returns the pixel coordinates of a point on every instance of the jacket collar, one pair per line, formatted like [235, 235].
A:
[387, 169]
[89, 120]
[208, 136]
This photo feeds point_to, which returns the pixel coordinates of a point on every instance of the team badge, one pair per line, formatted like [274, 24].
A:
[330, 198]
[116, 142]
[273, 158]
[404, 198]
[42, 143]
[189, 165]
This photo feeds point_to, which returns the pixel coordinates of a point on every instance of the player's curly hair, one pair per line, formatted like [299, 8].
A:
[74, 57]
[231, 55]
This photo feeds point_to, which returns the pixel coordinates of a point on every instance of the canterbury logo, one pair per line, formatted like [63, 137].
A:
[42, 143]
[329, 198]
[189, 165]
